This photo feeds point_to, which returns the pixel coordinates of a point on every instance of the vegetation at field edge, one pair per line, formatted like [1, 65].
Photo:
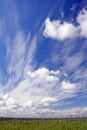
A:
[43, 124]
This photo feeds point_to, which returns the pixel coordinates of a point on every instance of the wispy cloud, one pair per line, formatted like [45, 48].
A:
[73, 62]
[20, 58]
[19, 47]
[37, 90]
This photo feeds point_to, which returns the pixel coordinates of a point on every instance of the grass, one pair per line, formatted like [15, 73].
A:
[64, 124]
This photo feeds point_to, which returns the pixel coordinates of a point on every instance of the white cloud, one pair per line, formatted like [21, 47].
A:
[42, 87]
[66, 30]
[36, 86]
[47, 100]
[43, 73]
[58, 30]
[68, 87]
[28, 98]
[66, 90]
[82, 20]
[7, 102]
[12, 109]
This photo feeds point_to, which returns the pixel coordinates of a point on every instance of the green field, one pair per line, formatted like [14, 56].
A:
[64, 124]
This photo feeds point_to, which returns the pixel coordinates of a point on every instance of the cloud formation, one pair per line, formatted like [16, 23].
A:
[59, 30]
[42, 89]
[9, 107]
[31, 87]
[82, 21]
[36, 86]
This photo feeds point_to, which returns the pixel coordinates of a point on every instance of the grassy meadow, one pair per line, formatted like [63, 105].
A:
[60, 124]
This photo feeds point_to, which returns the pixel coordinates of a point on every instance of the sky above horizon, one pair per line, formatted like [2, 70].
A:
[43, 58]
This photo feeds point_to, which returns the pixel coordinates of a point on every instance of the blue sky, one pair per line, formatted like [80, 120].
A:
[43, 58]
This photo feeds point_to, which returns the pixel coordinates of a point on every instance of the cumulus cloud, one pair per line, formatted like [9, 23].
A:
[47, 100]
[82, 21]
[44, 73]
[42, 87]
[59, 30]
[35, 93]
[10, 108]
[36, 86]
[7, 102]
[68, 87]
